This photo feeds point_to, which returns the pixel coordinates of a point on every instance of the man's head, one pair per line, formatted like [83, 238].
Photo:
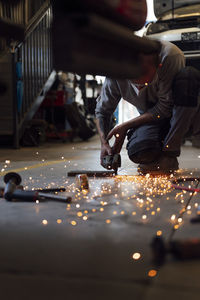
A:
[149, 65]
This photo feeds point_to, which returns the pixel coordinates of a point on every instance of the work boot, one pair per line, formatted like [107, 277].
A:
[164, 165]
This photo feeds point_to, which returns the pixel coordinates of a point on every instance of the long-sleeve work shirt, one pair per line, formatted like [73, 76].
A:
[155, 98]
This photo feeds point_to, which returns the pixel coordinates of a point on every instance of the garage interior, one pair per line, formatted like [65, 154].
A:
[128, 235]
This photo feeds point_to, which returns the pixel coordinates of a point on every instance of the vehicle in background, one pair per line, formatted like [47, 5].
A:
[178, 21]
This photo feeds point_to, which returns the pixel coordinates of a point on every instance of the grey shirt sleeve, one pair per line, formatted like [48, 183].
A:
[108, 99]
[170, 67]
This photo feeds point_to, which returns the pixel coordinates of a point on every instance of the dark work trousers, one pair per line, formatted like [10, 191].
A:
[148, 142]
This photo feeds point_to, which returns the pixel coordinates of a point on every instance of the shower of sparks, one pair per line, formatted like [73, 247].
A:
[79, 214]
[108, 221]
[159, 233]
[136, 256]
[173, 217]
[73, 223]
[136, 199]
[143, 193]
[44, 222]
[152, 273]
[150, 185]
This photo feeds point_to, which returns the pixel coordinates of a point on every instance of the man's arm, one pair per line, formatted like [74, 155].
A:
[162, 109]
[103, 129]
[170, 67]
[106, 105]
[120, 131]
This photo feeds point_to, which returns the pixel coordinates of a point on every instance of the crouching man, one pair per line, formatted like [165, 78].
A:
[155, 136]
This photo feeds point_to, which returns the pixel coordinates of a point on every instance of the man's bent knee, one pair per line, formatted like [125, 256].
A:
[145, 156]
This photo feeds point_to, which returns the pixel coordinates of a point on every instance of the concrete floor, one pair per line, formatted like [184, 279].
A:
[85, 250]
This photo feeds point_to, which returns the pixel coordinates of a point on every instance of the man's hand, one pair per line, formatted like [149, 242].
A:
[120, 134]
[105, 150]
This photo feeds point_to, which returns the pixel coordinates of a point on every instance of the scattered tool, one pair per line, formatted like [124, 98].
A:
[32, 196]
[91, 173]
[13, 193]
[20, 187]
[53, 190]
[12, 180]
[178, 184]
[180, 249]
[195, 220]
[82, 182]
[2, 189]
[112, 162]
